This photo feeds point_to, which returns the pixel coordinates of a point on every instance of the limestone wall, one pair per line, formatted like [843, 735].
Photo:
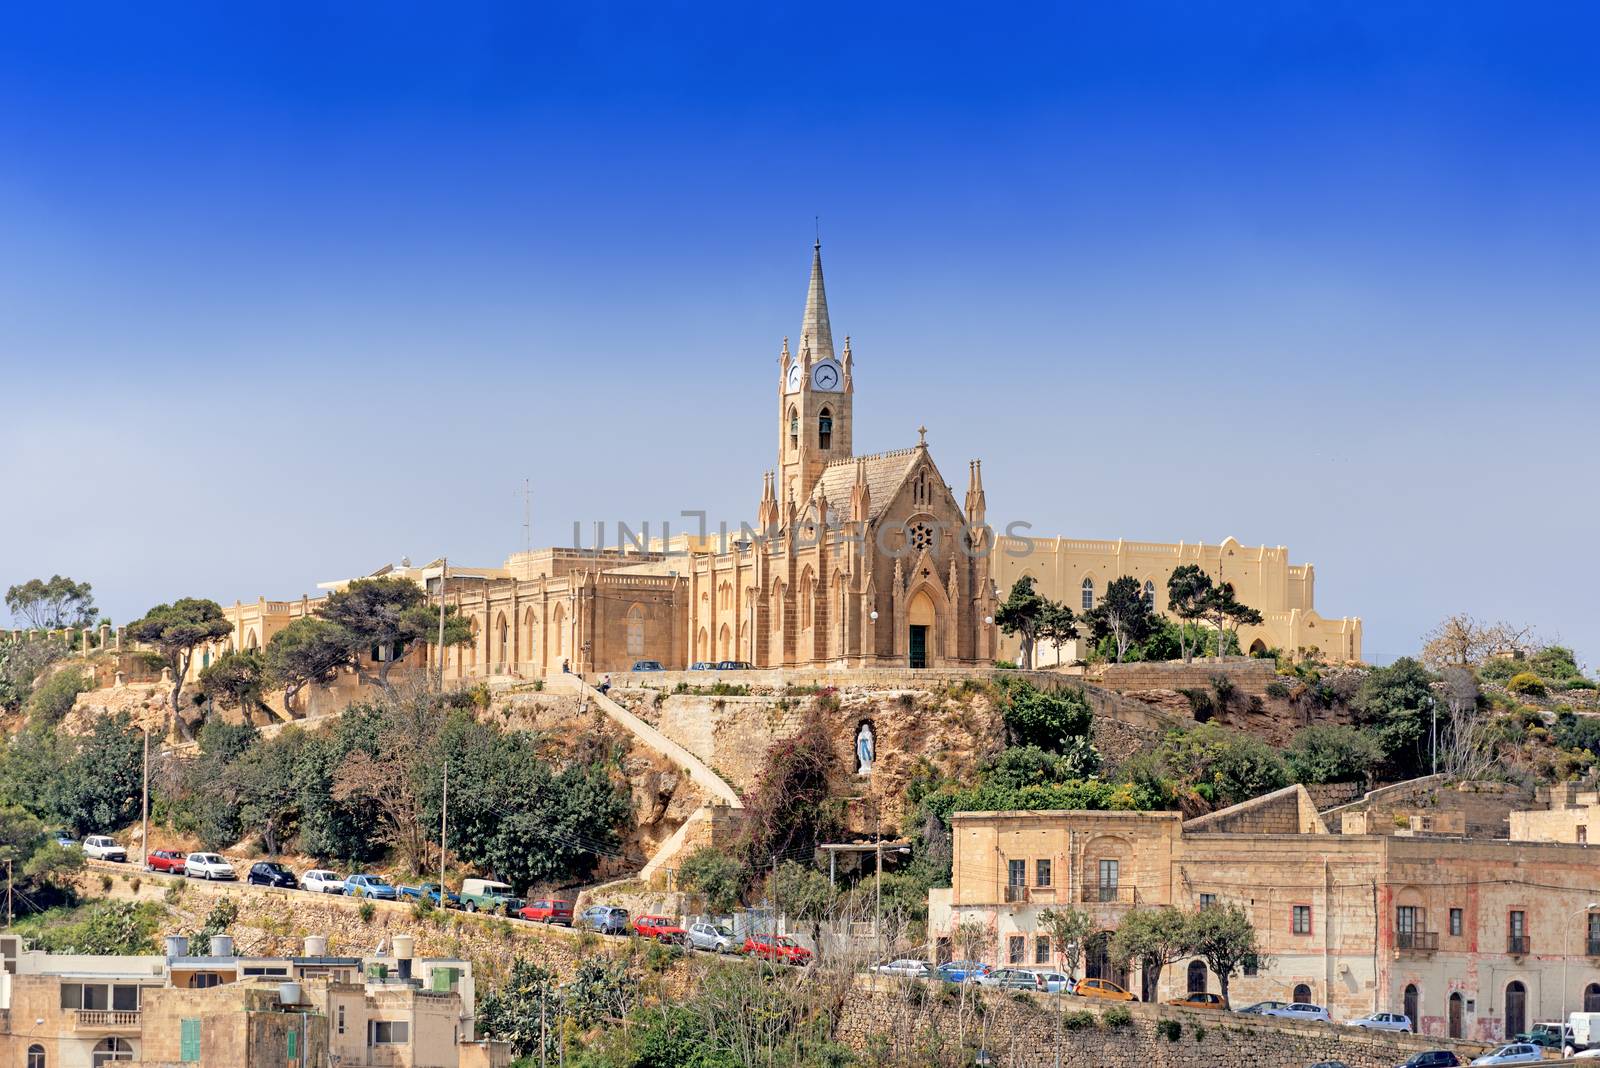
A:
[1433, 805]
[906, 1024]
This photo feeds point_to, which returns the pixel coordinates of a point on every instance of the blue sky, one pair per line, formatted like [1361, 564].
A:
[287, 293]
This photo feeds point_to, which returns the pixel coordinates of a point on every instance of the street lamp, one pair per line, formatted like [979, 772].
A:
[1566, 942]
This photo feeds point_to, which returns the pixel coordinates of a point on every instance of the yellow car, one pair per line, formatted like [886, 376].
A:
[1200, 1001]
[1102, 988]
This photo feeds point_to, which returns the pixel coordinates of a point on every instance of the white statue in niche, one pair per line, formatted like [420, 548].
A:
[866, 749]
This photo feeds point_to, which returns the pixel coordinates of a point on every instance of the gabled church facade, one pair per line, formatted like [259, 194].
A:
[856, 561]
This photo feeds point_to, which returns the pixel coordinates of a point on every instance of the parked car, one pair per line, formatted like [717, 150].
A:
[661, 928]
[1300, 1010]
[1433, 1058]
[373, 886]
[64, 840]
[1102, 988]
[779, 949]
[547, 911]
[207, 866]
[271, 873]
[1330, 1064]
[1513, 1053]
[1549, 1034]
[104, 847]
[604, 919]
[322, 881]
[167, 860]
[905, 967]
[1057, 982]
[702, 665]
[489, 895]
[1382, 1021]
[712, 937]
[647, 665]
[734, 665]
[961, 971]
[1200, 1000]
[1587, 1054]
[1260, 1008]
[429, 892]
[1013, 979]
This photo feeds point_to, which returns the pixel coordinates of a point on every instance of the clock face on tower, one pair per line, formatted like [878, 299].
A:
[826, 378]
[796, 376]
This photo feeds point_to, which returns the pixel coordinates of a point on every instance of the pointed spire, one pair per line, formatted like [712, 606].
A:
[816, 328]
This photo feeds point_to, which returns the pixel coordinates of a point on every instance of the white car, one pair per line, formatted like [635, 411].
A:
[322, 881]
[104, 847]
[207, 866]
[910, 969]
[1383, 1021]
[1300, 1010]
[1513, 1053]
[1587, 1054]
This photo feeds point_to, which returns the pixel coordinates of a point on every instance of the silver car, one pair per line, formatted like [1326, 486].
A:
[907, 967]
[1300, 1010]
[713, 938]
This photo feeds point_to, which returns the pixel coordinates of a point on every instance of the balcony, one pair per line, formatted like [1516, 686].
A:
[1109, 895]
[1015, 893]
[1416, 942]
[107, 1020]
[1517, 945]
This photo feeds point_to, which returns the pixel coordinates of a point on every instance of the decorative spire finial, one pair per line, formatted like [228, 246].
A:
[922, 437]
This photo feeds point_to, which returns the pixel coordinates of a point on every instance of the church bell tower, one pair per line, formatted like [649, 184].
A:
[815, 393]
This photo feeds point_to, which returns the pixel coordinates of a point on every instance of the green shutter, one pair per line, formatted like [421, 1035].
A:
[189, 1041]
[294, 1042]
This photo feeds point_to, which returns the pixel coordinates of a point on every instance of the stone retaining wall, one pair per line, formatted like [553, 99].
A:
[900, 1023]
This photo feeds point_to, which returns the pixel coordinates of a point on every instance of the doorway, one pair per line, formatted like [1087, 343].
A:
[1456, 1022]
[1516, 1009]
[1097, 962]
[1411, 1005]
[1197, 977]
[919, 646]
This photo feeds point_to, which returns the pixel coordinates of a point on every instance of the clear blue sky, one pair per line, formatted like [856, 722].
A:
[285, 295]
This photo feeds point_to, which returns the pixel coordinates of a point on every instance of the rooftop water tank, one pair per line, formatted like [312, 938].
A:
[177, 946]
[316, 946]
[222, 945]
[288, 993]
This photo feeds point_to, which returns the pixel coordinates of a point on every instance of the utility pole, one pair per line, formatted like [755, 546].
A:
[8, 894]
[144, 803]
[444, 565]
[444, 815]
[776, 926]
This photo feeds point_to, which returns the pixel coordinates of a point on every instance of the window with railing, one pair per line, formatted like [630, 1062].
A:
[1517, 932]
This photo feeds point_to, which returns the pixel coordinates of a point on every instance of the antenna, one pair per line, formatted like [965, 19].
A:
[527, 517]
[817, 221]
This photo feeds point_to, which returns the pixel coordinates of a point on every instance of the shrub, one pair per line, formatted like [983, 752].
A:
[1171, 1030]
[421, 909]
[712, 872]
[1580, 684]
[134, 884]
[367, 911]
[1278, 689]
[105, 883]
[1199, 1033]
[1332, 753]
[1526, 682]
[1049, 719]
[1118, 1017]
[53, 698]
[1082, 1020]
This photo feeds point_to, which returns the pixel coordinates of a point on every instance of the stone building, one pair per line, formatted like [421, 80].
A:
[80, 1011]
[1471, 938]
[1077, 571]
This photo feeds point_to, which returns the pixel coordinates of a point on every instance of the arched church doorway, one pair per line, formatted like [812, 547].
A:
[920, 618]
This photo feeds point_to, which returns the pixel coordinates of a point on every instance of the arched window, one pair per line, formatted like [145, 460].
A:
[635, 631]
[36, 1056]
[1302, 993]
[807, 603]
[1088, 594]
[794, 428]
[1150, 595]
[112, 1049]
[1197, 977]
[825, 429]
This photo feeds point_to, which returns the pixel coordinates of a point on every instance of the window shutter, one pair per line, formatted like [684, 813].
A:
[294, 1044]
[189, 1041]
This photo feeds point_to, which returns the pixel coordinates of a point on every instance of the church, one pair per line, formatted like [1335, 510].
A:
[852, 561]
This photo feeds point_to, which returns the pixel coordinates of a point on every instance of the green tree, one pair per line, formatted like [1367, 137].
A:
[1069, 930]
[1223, 937]
[1219, 765]
[100, 785]
[1021, 614]
[1048, 719]
[1123, 615]
[1325, 753]
[101, 928]
[177, 630]
[383, 617]
[52, 605]
[307, 651]
[1188, 589]
[267, 777]
[805, 894]
[53, 698]
[1058, 625]
[1396, 703]
[1155, 938]
[712, 872]
[791, 808]
[1227, 613]
[235, 680]
[1018, 766]
[21, 665]
[523, 1010]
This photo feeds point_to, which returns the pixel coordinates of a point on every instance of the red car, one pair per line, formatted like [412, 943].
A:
[167, 860]
[780, 949]
[661, 928]
[547, 912]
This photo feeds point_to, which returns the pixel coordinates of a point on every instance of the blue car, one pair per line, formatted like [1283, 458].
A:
[373, 886]
[962, 971]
